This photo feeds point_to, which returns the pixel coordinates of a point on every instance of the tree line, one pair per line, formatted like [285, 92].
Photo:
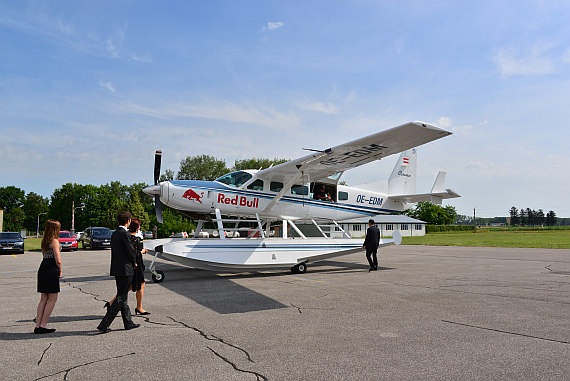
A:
[530, 217]
[99, 205]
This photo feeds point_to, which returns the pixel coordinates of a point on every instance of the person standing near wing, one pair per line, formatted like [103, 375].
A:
[123, 261]
[371, 243]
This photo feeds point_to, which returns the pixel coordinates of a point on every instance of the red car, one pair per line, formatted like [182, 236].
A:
[67, 241]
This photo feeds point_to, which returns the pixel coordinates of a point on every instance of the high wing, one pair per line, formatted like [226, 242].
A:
[355, 153]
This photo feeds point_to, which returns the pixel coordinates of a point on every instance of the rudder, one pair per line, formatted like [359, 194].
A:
[403, 177]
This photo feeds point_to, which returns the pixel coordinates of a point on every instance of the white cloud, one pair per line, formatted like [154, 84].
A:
[135, 57]
[225, 111]
[108, 85]
[112, 49]
[326, 108]
[274, 25]
[532, 60]
[447, 124]
[444, 122]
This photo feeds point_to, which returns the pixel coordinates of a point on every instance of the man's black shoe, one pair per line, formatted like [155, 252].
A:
[132, 326]
[103, 329]
[371, 269]
[375, 268]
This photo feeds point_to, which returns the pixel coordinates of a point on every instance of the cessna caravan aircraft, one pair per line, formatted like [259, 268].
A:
[303, 190]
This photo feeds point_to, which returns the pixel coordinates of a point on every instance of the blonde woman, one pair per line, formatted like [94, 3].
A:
[48, 276]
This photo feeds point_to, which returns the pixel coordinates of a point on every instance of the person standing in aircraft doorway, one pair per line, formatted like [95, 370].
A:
[371, 243]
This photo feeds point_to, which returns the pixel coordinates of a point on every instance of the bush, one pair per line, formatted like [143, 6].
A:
[448, 228]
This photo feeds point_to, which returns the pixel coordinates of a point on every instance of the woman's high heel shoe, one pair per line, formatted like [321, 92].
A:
[138, 312]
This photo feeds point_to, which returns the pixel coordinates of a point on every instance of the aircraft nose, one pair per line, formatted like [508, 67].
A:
[152, 190]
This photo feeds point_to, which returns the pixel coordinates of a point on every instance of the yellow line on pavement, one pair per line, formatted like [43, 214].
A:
[308, 280]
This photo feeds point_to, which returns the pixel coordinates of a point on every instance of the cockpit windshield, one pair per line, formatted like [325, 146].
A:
[235, 179]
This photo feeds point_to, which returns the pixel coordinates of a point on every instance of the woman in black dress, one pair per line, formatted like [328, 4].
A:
[48, 276]
[138, 278]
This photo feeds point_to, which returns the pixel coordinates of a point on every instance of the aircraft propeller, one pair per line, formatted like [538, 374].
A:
[157, 203]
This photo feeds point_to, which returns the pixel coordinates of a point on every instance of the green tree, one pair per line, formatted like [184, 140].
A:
[173, 222]
[550, 218]
[256, 163]
[110, 215]
[62, 202]
[12, 201]
[33, 206]
[136, 208]
[168, 175]
[203, 167]
[515, 219]
[433, 214]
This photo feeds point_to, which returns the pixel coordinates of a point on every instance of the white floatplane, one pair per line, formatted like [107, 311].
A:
[302, 190]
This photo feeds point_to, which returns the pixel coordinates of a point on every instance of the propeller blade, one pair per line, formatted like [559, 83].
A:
[158, 208]
[157, 160]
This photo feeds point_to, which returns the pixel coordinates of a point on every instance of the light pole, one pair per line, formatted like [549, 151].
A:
[38, 229]
[73, 215]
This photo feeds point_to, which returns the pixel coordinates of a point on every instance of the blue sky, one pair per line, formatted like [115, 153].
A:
[90, 89]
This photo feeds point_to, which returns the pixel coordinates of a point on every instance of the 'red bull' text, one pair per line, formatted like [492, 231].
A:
[238, 200]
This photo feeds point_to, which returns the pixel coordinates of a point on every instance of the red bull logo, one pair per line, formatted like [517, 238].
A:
[192, 195]
[238, 200]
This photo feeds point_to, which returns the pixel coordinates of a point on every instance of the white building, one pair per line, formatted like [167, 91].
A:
[387, 224]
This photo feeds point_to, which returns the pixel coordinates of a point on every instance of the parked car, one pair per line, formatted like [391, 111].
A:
[96, 238]
[67, 241]
[11, 242]
[147, 235]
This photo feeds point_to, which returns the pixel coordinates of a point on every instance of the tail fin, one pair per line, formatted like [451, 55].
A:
[403, 177]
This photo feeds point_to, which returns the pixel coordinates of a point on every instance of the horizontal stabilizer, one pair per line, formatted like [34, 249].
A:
[434, 197]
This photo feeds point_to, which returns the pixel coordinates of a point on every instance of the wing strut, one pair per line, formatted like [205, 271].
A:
[278, 196]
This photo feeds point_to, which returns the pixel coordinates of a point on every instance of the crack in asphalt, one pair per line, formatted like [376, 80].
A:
[556, 271]
[147, 319]
[258, 376]
[43, 354]
[66, 371]
[507, 332]
[212, 338]
[95, 296]
[300, 309]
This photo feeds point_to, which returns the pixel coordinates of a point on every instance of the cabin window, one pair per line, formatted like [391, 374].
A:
[342, 196]
[256, 185]
[300, 189]
[418, 227]
[404, 227]
[275, 186]
[235, 179]
[356, 228]
[389, 227]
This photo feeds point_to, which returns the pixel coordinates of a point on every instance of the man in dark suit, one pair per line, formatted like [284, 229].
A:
[371, 243]
[123, 260]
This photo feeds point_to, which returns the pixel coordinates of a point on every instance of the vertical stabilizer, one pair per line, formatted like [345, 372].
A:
[403, 177]
[439, 185]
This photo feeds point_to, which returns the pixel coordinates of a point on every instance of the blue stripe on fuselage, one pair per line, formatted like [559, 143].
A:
[216, 186]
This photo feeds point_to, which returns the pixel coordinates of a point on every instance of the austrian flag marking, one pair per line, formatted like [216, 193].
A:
[238, 200]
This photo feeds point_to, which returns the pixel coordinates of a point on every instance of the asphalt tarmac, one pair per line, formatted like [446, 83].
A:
[429, 313]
